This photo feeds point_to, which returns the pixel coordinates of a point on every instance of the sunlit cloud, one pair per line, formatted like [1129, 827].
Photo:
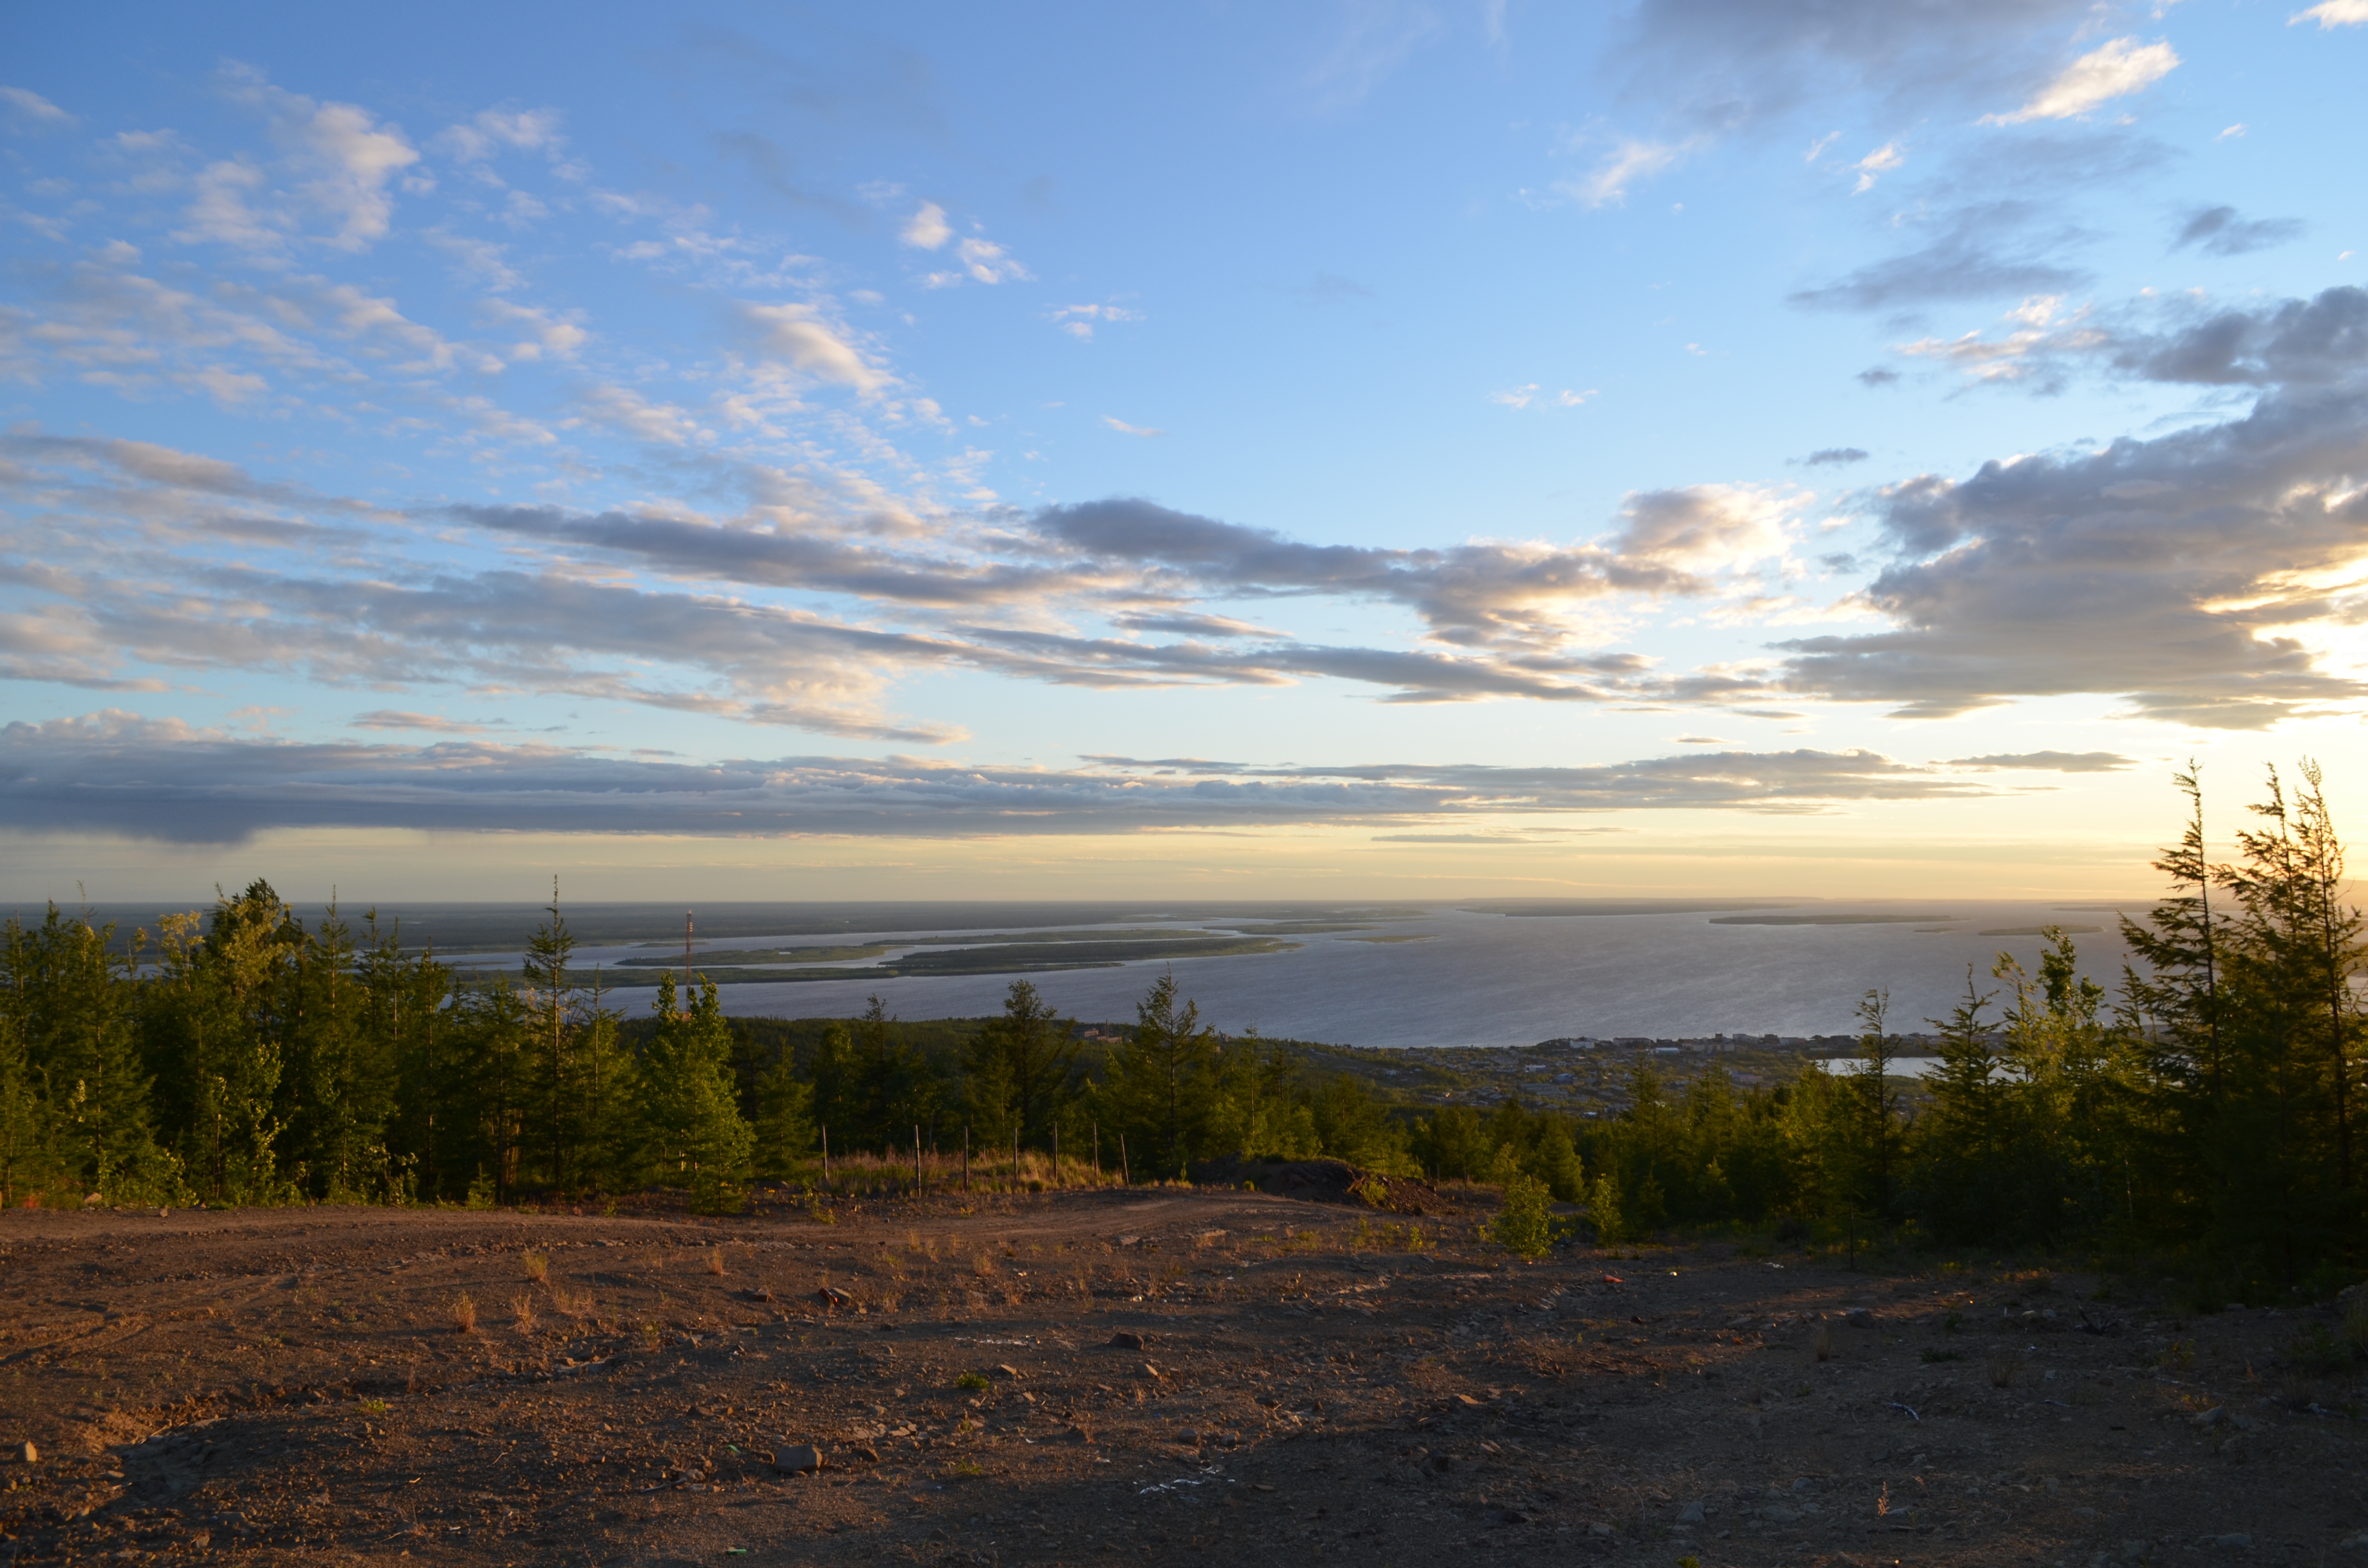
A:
[2113, 70]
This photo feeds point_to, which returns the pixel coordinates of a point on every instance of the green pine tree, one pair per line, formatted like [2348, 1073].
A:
[696, 1134]
[1160, 1087]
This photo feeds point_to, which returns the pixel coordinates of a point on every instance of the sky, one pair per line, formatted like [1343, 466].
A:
[1840, 448]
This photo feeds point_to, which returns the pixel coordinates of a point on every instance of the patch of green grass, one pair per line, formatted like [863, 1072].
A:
[973, 1380]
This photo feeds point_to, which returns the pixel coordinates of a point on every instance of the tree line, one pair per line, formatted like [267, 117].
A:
[2206, 1103]
[2206, 1108]
[246, 1057]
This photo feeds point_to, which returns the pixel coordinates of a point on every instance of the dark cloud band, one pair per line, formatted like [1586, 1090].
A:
[114, 774]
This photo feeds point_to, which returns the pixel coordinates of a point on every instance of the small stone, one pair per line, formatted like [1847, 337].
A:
[1154, 1374]
[2359, 1541]
[30, 1454]
[2212, 1417]
[797, 1459]
[832, 1297]
[1599, 1529]
[1122, 1340]
[2235, 1538]
[1003, 1371]
[1691, 1513]
[1860, 1317]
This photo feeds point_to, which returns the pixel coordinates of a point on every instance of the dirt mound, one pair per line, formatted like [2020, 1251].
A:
[1320, 1181]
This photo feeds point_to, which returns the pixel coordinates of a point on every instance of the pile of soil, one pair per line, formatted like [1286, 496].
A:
[1122, 1377]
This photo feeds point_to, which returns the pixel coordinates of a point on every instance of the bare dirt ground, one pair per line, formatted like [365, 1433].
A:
[290, 1385]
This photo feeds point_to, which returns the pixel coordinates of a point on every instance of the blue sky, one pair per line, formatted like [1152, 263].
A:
[1843, 447]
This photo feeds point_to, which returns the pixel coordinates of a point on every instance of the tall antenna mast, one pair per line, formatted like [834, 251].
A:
[686, 958]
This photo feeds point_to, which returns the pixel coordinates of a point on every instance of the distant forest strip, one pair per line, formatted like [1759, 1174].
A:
[2207, 1106]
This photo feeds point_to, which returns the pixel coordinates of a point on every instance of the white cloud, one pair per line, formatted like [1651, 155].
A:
[1123, 428]
[400, 719]
[1630, 162]
[622, 408]
[988, 264]
[1078, 321]
[1817, 148]
[559, 336]
[1706, 528]
[2030, 351]
[34, 107]
[526, 130]
[2334, 14]
[1531, 394]
[361, 314]
[2238, 129]
[2111, 71]
[927, 229]
[479, 260]
[355, 157]
[344, 159]
[982, 261]
[222, 211]
[229, 388]
[799, 336]
[1882, 161]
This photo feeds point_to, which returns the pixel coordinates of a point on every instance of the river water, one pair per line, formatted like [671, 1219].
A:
[1494, 979]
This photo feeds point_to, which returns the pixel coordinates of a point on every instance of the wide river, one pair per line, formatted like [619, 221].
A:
[1490, 979]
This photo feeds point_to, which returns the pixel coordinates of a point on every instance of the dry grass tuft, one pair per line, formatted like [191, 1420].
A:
[571, 1304]
[2003, 1369]
[522, 1308]
[715, 1261]
[464, 1313]
[1821, 1345]
[538, 1267]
